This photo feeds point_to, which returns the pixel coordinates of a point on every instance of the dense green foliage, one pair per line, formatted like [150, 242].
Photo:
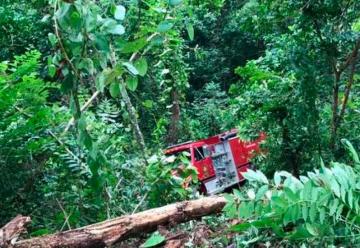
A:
[92, 91]
[24, 25]
[321, 208]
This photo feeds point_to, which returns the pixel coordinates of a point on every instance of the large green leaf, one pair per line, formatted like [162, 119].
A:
[305, 212]
[322, 215]
[261, 192]
[291, 195]
[114, 89]
[100, 82]
[300, 233]
[277, 179]
[82, 123]
[87, 64]
[111, 26]
[154, 240]
[131, 46]
[102, 43]
[312, 229]
[85, 139]
[240, 227]
[312, 212]
[255, 176]
[62, 11]
[352, 150]
[132, 83]
[141, 66]
[52, 39]
[333, 207]
[75, 20]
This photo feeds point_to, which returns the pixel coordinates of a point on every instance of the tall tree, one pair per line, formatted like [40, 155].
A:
[309, 64]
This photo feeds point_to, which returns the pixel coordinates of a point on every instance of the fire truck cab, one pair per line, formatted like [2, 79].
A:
[220, 159]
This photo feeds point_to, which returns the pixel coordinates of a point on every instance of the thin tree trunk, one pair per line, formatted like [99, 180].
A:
[336, 119]
[130, 108]
[133, 118]
[335, 110]
[289, 154]
[109, 232]
[173, 134]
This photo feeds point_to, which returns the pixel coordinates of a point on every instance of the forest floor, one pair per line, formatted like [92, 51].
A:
[205, 233]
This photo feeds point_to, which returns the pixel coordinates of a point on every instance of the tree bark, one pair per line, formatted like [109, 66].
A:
[112, 231]
[10, 232]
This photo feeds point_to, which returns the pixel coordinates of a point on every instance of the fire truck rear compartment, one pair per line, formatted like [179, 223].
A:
[225, 168]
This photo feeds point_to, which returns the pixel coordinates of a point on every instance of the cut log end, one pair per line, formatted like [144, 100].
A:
[12, 230]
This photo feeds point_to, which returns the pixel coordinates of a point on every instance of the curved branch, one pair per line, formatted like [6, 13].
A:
[347, 92]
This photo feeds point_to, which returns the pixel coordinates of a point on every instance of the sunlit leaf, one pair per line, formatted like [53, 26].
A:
[148, 104]
[52, 70]
[52, 39]
[190, 31]
[165, 26]
[255, 176]
[131, 68]
[117, 29]
[119, 12]
[175, 2]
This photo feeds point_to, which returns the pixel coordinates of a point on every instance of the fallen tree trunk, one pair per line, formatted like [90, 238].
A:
[111, 231]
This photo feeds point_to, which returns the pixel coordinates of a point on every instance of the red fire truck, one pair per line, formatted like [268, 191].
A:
[219, 159]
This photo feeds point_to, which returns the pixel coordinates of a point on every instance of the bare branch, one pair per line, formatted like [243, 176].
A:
[65, 215]
[351, 57]
[347, 91]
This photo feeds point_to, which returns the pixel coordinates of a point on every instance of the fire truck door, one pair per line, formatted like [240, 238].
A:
[202, 163]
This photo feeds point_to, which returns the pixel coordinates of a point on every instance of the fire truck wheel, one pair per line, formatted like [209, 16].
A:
[202, 189]
[252, 166]
[242, 183]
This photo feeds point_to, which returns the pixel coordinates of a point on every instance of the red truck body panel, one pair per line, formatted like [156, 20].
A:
[216, 157]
